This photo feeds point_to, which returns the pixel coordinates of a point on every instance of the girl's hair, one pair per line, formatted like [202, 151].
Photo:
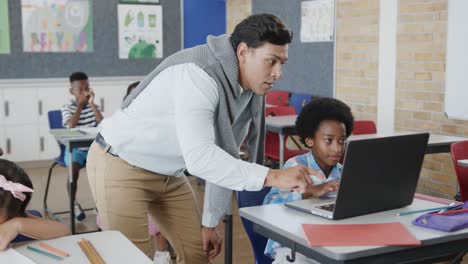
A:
[10, 206]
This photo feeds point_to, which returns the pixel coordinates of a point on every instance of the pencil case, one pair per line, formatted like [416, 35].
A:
[447, 223]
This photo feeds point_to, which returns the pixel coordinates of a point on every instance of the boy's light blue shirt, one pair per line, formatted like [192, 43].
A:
[279, 196]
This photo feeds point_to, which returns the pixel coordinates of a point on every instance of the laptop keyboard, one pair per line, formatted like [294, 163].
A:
[327, 207]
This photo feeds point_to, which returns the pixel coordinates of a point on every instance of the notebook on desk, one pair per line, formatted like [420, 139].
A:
[378, 174]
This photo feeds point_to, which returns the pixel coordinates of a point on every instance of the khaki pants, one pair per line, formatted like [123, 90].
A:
[124, 194]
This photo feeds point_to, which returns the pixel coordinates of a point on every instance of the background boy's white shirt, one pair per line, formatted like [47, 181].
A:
[158, 135]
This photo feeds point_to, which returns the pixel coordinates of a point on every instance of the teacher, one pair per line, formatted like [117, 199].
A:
[191, 114]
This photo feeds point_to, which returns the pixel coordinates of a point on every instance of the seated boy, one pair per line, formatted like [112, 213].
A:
[323, 126]
[80, 112]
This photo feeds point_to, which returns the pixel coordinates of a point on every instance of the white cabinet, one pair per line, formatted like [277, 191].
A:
[20, 106]
[51, 98]
[2, 142]
[2, 115]
[48, 146]
[22, 142]
[109, 97]
[24, 104]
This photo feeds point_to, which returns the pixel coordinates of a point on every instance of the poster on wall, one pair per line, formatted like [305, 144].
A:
[140, 31]
[4, 28]
[57, 25]
[317, 20]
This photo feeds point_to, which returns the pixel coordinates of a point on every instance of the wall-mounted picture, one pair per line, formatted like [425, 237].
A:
[140, 31]
[4, 28]
[57, 25]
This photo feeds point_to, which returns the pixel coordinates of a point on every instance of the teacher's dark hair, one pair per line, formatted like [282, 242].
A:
[259, 29]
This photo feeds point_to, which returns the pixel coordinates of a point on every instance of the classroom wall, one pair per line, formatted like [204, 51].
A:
[356, 51]
[420, 73]
[422, 31]
[357, 32]
[236, 10]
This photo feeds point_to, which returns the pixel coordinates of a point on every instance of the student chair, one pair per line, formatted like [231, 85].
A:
[459, 151]
[272, 139]
[55, 121]
[362, 127]
[23, 238]
[278, 98]
[246, 199]
[298, 101]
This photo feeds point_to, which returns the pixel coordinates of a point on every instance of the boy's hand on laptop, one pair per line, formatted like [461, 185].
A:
[320, 189]
[294, 178]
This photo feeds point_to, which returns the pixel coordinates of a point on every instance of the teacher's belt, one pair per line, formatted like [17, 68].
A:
[102, 143]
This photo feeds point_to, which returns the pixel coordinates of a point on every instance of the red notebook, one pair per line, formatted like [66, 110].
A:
[386, 234]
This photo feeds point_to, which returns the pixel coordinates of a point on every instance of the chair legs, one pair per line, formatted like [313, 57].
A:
[47, 185]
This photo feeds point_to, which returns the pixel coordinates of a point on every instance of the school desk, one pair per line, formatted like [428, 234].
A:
[113, 247]
[285, 125]
[283, 224]
[83, 140]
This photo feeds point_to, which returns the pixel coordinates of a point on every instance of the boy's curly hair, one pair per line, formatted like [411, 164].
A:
[320, 109]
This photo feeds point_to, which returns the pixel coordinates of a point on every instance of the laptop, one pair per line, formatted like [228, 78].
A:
[378, 174]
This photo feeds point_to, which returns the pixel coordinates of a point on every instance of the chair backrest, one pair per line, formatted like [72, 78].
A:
[55, 121]
[362, 127]
[246, 199]
[279, 98]
[298, 101]
[23, 238]
[280, 111]
[459, 151]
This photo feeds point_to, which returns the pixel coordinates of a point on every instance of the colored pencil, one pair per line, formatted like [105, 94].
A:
[52, 249]
[90, 252]
[464, 210]
[50, 255]
[423, 210]
[443, 210]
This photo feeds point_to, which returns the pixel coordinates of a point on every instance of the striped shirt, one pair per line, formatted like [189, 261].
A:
[87, 117]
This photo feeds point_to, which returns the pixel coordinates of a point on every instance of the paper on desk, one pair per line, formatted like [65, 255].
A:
[65, 132]
[384, 234]
[12, 256]
[89, 130]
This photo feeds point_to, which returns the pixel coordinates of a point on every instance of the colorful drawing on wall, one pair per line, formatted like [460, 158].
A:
[57, 25]
[140, 31]
[4, 28]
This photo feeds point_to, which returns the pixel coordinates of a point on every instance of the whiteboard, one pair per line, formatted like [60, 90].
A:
[456, 71]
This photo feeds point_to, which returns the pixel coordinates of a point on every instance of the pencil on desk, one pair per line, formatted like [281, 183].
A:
[453, 212]
[90, 252]
[423, 210]
[52, 249]
[50, 255]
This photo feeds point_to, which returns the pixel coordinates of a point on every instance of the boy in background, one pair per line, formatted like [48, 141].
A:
[79, 112]
[323, 125]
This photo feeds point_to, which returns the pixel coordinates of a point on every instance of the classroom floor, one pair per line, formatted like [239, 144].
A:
[58, 201]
